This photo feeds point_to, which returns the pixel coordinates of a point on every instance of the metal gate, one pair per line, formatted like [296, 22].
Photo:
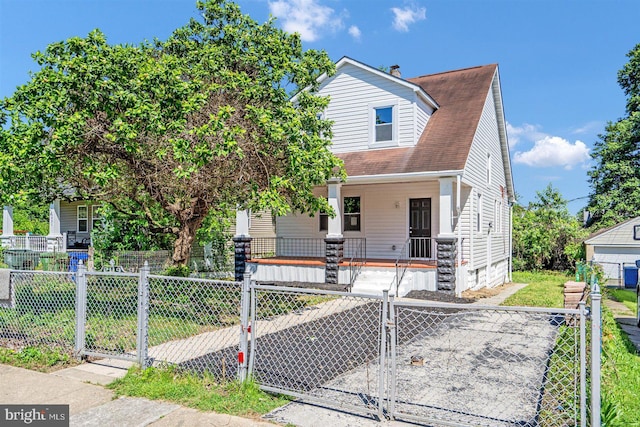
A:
[322, 346]
[440, 363]
[470, 365]
[110, 315]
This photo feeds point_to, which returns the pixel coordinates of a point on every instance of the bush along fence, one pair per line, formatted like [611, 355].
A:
[440, 363]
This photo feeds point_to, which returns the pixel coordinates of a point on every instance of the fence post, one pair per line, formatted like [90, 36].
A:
[596, 347]
[244, 326]
[393, 338]
[81, 309]
[143, 316]
[583, 363]
[383, 351]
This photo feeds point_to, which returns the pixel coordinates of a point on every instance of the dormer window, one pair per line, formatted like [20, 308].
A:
[384, 124]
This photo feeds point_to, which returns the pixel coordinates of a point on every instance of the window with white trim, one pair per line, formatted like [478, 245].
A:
[351, 213]
[479, 214]
[83, 219]
[383, 131]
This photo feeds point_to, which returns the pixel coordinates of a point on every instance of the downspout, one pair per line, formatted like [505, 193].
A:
[458, 214]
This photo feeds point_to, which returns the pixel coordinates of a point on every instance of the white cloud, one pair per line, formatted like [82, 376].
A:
[588, 128]
[526, 131]
[406, 16]
[355, 32]
[309, 18]
[554, 151]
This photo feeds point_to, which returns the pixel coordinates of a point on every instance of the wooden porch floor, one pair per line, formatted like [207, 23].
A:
[319, 261]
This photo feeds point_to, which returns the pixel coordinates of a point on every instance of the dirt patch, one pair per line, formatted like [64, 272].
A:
[486, 292]
[439, 297]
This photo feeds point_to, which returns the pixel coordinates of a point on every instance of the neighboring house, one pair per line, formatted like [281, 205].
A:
[428, 192]
[615, 248]
[71, 224]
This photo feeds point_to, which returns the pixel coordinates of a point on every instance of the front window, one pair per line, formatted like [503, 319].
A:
[83, 219]
[479, 214]
[324, 221]
[384, 124]
[352, 214]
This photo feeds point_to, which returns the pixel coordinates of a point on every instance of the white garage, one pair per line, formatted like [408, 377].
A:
[616, 249]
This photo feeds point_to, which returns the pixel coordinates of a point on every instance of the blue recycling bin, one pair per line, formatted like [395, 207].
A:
[630, 277]
[75, 258]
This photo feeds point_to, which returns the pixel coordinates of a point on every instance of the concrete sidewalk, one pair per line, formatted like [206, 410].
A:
[92, 405]
[626, 320]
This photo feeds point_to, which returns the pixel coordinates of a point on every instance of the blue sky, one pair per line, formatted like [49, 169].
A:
[558, 59]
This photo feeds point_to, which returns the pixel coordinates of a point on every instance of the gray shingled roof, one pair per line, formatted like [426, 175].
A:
[618, 235]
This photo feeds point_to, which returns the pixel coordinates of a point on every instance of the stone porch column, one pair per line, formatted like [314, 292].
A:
[446, 271]
[334, 241]
[241, 243]
[446, 240]
[54, 227]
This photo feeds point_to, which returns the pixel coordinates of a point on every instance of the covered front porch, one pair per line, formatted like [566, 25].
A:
[52, 242]
[394, 227]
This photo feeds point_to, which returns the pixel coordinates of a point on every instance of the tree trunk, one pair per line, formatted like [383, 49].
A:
[184, 242]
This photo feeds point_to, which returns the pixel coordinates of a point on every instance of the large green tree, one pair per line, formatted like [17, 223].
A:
[545, 235]
[615, 176]
[174, 129]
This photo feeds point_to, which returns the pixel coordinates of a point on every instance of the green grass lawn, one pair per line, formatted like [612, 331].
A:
[620, 362]
[625, 296]
[545, 289]
[200, 392]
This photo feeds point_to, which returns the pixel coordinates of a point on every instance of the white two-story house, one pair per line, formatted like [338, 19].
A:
[429, 188]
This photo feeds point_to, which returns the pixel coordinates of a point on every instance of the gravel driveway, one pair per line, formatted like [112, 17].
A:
[474, 367]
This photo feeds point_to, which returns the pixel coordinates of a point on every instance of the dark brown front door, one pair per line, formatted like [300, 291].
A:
[420, 228]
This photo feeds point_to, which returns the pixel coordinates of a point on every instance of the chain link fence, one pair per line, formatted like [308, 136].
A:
[485, 366]
[455, 364]
[40, 311]
[193, 323]
[305, 341]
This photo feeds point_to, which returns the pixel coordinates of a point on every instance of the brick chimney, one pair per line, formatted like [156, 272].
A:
[395, 71]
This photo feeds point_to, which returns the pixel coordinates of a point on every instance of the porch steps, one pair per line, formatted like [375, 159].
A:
[375, 281]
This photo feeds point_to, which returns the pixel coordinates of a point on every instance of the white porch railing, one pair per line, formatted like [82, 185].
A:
[35, 243]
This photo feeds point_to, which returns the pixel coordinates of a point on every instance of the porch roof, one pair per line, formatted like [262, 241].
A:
[446, 140]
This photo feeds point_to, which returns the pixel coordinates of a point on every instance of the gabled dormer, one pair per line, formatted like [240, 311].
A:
[372, 109]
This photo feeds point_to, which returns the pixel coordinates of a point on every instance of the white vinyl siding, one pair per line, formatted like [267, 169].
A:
[353, 91]
[614, 259]
[261, 224]
[69, 218]
[423, 112]
[491, 183]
